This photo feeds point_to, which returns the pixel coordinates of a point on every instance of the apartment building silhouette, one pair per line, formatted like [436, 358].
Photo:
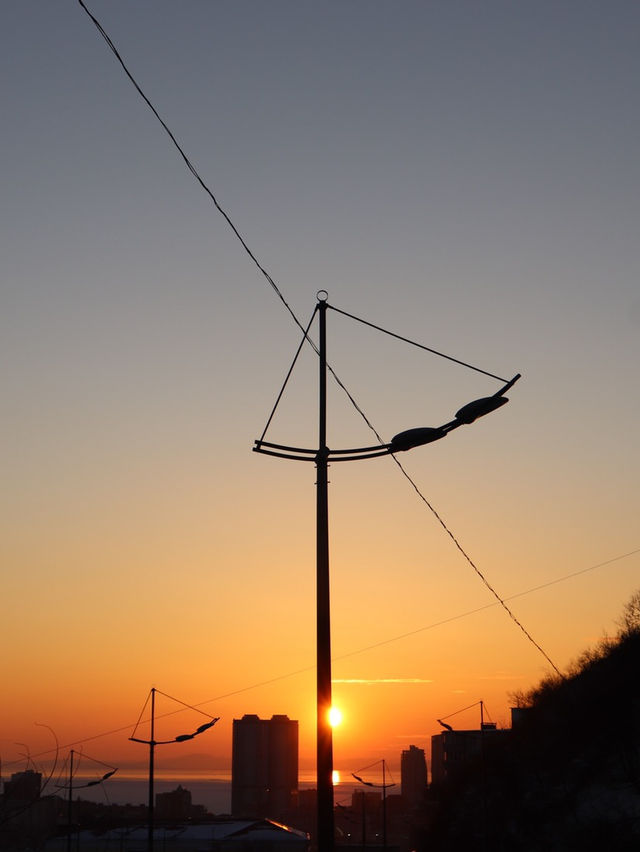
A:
[413, 773]
[264, 766]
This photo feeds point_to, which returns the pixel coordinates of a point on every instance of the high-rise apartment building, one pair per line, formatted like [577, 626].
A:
[452, 750]
[413, 775]
[264, 769]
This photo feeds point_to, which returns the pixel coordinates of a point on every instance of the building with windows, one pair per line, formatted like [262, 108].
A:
[264, 766]
[452, 751]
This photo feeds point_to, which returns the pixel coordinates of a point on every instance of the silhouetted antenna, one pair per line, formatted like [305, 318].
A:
[480, 704]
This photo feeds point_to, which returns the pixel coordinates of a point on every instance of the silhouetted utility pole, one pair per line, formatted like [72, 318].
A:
[70, 788]
[70, 801]
[384, 787]
[324, 743]
[322, 456]
[152, 743]
[152, 749]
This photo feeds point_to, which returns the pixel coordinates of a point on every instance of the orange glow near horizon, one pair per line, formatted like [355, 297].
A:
[335, 777]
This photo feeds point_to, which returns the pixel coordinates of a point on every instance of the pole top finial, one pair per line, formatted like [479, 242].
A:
[322, 295]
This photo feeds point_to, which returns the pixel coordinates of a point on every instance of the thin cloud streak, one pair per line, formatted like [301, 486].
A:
[369, 681]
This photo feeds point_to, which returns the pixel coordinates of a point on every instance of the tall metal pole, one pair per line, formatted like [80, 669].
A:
[323, 622]
[70, 800]
[384, 807]
[152, 746]
[484, 779]
[403, 441]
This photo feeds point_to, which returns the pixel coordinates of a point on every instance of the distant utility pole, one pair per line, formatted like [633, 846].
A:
[152, 743]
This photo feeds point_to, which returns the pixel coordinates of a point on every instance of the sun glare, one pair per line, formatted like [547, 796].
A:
[335, 716]
[335, 777]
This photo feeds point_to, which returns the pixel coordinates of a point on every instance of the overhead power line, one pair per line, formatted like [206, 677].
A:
[349, 654]
[189, 164]
[280, 295]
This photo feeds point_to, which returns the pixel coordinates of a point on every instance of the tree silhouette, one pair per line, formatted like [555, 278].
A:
[630, 620]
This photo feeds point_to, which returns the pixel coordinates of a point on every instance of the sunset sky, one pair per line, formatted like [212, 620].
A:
[463, 173]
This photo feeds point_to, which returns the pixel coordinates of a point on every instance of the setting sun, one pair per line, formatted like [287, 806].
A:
[335, 716]
[335, 777]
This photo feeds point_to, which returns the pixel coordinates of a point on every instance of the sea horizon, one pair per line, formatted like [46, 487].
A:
[210, 788]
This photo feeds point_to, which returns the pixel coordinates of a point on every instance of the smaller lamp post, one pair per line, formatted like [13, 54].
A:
[152, 743]
[70, 788]
[384, 787]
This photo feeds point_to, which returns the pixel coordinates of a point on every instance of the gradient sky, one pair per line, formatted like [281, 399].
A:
[465, 174]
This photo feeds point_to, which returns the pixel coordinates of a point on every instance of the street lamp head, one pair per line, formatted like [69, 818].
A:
[415, 438]
[181, 738]
[479, 407]
[207, 725]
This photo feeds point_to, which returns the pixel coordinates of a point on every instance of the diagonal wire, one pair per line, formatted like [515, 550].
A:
[144, 707]
[486, 582]
[189, 164]
[450, 533]
[462, 709]
[444, 621]
[288, 376]
[184, 704]
[354, 653]
[414, 343]
[278, 292]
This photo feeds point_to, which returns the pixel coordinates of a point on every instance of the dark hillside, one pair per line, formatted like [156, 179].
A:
[568, 776]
